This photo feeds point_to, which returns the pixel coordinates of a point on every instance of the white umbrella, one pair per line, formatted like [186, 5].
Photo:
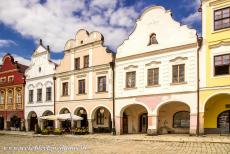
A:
[68, 116]
[49, 117]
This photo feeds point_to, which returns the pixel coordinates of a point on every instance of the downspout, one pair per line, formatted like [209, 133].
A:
[199, 40]
[112, 64]
[54, 79]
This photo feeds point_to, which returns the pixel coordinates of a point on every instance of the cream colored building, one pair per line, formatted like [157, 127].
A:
[84, 82]
[156, 77]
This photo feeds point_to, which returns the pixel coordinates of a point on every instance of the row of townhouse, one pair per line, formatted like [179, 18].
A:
[162, 79]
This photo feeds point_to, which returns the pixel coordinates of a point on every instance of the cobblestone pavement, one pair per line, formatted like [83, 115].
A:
[101, 145]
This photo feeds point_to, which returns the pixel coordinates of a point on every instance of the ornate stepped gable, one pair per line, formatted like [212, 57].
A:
[158, 22]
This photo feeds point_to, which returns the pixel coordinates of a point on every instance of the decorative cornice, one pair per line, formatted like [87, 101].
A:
[131, 66]
[157, 52]
[219, 44]
[218, 2]
[104, 72]
[178, 58]
[153, 63]
[81, 76]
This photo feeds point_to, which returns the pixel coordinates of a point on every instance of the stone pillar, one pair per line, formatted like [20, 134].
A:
[5, 123]
[90, 125]
[41, 124]
[27, 124]
[201, 124]
[193, 124]
[119, 125]
[56, 124]
[152, 125]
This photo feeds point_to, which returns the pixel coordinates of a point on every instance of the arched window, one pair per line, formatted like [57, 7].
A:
[10, 96]
[100, 116]
[19, 96]
[181, 119]
[153, 39]
[2, 97]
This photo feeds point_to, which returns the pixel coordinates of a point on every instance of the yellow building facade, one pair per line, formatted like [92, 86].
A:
[215, 67]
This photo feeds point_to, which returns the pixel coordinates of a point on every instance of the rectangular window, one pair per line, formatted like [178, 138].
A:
[48, 94]
[81, 86]
[86, 61]
[39, 95]
[10, 79]
[31, 96]
[222, 18]
[222, 64]
[77, 63]
[101, 84]
[153, 76]
[178, 73]
[131, 79]
[2, 96]
[3, 80]
[65, 89]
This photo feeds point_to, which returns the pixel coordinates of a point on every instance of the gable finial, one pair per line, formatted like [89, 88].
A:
[40, 41]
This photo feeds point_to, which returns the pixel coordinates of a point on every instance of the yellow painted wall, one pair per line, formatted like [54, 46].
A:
[213, 108]
[212, 38]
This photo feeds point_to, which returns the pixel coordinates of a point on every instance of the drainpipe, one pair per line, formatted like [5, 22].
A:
[112, 64]
[54, 79]
[199, 39]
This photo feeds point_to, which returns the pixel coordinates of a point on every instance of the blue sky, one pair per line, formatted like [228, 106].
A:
[24, 22]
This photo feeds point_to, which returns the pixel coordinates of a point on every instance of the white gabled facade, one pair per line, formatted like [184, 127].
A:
[39, 75]
[152, 108]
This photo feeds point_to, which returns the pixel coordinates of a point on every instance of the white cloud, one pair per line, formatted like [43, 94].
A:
[192, 19]
[6, 43]
[18, 58]
[57, 21]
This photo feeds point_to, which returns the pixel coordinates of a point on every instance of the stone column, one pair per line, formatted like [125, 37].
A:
[201, 122]
[56, 124]
[193, 124]
[27, 124]
[119, 125]
[90, 126]
[152, 125]
[5, 123]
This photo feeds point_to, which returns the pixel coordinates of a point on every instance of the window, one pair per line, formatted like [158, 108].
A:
[222, 64]
[10, 79]
[131, 79]
[19, 98]
[77, 63]
[178, 73]
[153, 76]
[2, 96]
[31, 96]
[153, 39]
[65, 89]
[81, 86]
[181, 119]
[39, 95]
[101, 84]
[222, 18]
[48, 93]
[3, 80]
[10, 96]
[39, 69]
[100, 116]
[86, 61]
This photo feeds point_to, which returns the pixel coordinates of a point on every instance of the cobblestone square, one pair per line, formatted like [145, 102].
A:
[99, 144]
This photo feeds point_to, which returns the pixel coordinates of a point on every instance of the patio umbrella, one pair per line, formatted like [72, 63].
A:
[49, 117]
[68, 116]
